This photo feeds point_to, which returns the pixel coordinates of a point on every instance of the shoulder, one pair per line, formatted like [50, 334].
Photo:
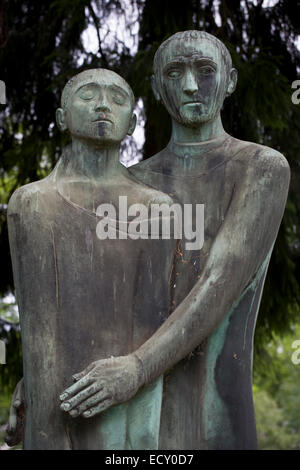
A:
[25, 198]
[149, 164]
[270, 159]
[262, 177]
[259, 156]
[144, 192]
[261, 163]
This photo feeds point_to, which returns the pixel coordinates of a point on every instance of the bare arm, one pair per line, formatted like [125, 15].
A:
[242, 244]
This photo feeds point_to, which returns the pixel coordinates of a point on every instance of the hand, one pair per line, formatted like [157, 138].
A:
[103, 384]
[14, 431]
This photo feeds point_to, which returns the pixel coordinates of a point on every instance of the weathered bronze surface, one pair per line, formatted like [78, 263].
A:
[178, 322]
[216, 291]
[87, 304]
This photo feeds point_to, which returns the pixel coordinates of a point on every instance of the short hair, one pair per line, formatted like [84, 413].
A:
[193, 35]
[86, 74]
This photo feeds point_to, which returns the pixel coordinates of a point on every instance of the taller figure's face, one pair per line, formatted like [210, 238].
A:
[97, 106]
[192, 80]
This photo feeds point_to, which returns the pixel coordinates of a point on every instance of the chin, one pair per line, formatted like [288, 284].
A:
[98, 141]
[195, 121]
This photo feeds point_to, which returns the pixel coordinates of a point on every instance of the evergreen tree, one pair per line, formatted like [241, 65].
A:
[41, 46]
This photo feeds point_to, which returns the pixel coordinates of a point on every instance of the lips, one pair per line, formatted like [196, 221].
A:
[192, 102]
[102, 119]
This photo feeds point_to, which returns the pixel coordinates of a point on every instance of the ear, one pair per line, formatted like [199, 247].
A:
[61, 119]
[132, 124]
[155, 88]
[233, 77]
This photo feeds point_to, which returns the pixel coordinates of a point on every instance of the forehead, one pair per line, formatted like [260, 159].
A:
[190, 50]
[100, 77]
[103, 78]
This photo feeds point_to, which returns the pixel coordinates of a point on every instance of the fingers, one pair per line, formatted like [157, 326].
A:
[12, 427]
[98, 409]
[81, 374]
[11, 439]
[96, 399]
[82, 398]
[19, 393]
[75, 388]
[74, 401]
[12, 422]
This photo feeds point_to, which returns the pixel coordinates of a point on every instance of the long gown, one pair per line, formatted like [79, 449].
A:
[208, 395]
[83, 299]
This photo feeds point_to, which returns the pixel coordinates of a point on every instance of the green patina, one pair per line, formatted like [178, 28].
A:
[215, 415]
[130, 343]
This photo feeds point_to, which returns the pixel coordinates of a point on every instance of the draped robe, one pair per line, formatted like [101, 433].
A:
[82, 299]
[208, 400]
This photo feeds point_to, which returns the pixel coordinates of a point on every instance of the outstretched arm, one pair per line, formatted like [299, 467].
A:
[240, 247]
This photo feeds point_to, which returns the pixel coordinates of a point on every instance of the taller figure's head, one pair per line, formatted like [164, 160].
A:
[192, 75]
[97, 107]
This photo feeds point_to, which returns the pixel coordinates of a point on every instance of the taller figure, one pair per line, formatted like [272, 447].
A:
[216, 291]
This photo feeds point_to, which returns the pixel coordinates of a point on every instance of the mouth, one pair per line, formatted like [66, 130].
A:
[192, 102]
[101, 119]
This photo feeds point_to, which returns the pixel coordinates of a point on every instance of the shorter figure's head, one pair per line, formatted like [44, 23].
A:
[192, 75]
[97, 106]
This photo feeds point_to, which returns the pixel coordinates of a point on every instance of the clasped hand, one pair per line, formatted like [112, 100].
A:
[102, 384]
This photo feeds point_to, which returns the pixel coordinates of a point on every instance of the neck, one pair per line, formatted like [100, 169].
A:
[191, 135]
[93, 162]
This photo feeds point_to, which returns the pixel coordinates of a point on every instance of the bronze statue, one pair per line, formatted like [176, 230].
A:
[87, 301]
[215, 298]
[200, 358]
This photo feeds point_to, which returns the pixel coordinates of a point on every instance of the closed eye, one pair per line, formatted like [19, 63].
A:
[87, 93]
[118, 98]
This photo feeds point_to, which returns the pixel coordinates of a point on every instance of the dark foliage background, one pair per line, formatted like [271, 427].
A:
[41, 47]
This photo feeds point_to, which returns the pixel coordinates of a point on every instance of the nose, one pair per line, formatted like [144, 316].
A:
[102, 104]
[190, 85]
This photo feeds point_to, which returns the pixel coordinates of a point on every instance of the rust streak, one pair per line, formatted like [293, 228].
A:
[55, 266]
[68, 436]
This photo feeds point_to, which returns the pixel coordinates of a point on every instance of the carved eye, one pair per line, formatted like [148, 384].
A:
[87, 93]
[174, 73]
[118, 98]
[206, 70]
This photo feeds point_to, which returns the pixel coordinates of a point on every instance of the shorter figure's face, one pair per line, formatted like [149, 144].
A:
[99, 108]
[191, 81]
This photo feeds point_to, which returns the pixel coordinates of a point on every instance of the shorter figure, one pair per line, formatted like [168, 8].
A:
[88, 302]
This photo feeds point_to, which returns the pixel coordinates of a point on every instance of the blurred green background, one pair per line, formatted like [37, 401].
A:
[43, 43]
